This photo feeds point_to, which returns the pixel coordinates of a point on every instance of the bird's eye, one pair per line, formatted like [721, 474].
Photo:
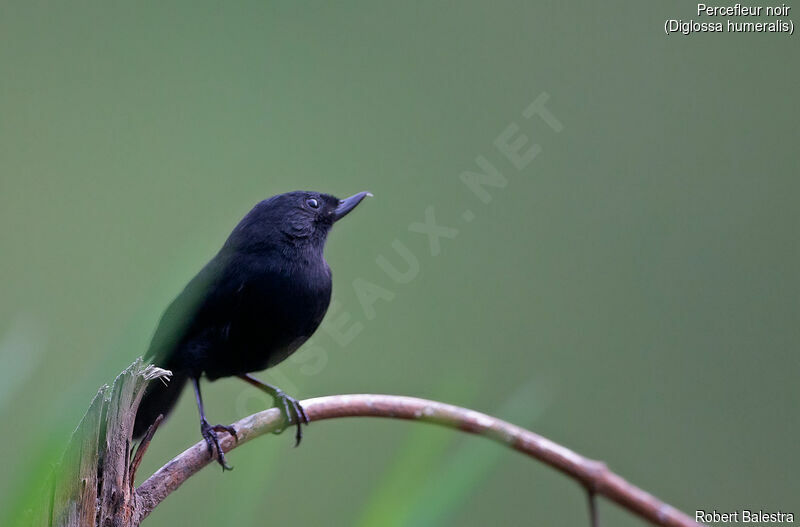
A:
[313, 203]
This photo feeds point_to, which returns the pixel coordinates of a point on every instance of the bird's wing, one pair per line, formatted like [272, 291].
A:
[188, 313]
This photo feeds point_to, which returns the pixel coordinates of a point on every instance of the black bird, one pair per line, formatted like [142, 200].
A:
[258, 300]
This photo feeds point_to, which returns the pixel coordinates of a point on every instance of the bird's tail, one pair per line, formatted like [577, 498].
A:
[159, 398]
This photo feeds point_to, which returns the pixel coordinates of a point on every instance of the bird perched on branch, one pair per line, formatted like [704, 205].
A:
[258, 300]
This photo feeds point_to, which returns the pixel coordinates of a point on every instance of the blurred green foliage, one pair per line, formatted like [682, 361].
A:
[642, 272]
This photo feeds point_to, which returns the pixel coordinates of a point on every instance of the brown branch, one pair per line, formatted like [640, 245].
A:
[142, 448]
[92, 485]
[593, 475]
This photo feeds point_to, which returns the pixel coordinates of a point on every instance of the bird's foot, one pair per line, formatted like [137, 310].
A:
[209, 433]
[293, 412]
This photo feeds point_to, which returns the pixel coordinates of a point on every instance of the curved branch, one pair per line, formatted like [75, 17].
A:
[593, 475]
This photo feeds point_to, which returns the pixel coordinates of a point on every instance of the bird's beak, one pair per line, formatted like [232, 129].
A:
[348, 204]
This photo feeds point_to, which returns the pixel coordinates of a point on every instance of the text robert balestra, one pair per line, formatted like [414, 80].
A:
[743, 516]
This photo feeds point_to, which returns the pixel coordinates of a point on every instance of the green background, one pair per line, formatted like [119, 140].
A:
[631, 294]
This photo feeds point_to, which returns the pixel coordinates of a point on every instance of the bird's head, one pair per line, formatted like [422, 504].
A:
[301, 217]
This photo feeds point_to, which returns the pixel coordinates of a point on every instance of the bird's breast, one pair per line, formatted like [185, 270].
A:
[274, 314]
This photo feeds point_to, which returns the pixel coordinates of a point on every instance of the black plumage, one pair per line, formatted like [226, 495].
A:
[256, 302]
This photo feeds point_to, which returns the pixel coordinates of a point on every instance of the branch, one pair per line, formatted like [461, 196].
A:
[93, 483]
[593, 475]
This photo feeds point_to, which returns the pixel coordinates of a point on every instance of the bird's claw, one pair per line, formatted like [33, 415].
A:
[293, 412]
[223, 428]
[209, 433]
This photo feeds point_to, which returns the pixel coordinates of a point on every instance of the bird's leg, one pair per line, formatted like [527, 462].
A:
[209, 432]
[289, 406]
